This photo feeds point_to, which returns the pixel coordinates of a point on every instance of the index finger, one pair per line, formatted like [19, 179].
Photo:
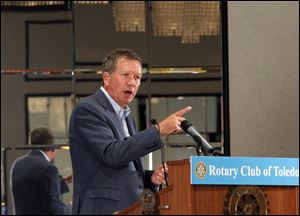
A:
[183, 111]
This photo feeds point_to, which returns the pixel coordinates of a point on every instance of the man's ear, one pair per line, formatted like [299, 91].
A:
[106, 78]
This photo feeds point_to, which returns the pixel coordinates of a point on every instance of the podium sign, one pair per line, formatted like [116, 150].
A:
[244, 171]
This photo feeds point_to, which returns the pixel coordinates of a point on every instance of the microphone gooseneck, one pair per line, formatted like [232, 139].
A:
[154, 121]
[201, 142]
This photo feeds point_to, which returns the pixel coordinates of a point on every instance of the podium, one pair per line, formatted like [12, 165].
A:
[183, 198]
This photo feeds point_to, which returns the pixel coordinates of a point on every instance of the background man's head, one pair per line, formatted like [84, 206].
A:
[43, 136]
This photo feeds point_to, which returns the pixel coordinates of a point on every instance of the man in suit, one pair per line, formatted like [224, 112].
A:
[105, 148]
[35, 182]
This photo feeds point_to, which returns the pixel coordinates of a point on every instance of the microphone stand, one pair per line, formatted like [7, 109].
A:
[200, 152]
[218, 154]
[162, 150]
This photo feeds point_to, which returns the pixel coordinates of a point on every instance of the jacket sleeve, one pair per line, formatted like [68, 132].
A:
[64, 188]
[96, 131]
[50, 187]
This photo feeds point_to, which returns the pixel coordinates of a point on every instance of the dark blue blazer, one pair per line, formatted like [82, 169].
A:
[101, 156]
[36, 186]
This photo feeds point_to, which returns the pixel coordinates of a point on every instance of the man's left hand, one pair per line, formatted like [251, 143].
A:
[157, 177]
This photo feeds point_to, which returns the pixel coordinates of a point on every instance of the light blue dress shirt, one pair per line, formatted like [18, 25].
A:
[121, 112]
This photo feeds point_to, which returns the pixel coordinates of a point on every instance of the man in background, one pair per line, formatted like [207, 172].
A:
[35, 182]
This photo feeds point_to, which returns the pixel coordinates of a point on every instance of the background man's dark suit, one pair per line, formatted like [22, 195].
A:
[36, 186]
[103, 178]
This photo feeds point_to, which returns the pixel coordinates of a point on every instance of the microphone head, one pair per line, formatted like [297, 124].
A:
[185, 124]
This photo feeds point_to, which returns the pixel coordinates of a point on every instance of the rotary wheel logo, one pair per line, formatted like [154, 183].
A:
[200, 170]
[148, 200]
[246, 200]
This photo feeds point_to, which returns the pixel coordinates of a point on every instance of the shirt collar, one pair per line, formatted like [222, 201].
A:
[45, 155]
[118, 109]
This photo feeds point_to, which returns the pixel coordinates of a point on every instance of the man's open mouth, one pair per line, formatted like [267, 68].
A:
[128, 93]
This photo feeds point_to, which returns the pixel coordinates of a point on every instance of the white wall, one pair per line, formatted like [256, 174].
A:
[264, 78]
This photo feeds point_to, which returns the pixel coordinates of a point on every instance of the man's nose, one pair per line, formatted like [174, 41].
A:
[131, 81]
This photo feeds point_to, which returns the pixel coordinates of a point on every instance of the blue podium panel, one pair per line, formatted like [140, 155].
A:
[244, 171]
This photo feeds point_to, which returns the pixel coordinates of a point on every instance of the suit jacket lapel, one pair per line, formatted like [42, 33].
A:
[102, 99]
[104, 102]
[113, 115]
[131, 127]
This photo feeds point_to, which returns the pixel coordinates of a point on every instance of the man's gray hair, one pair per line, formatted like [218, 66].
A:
[110, 61]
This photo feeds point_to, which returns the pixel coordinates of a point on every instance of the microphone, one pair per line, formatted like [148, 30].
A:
[189, 129]
[162, 151]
